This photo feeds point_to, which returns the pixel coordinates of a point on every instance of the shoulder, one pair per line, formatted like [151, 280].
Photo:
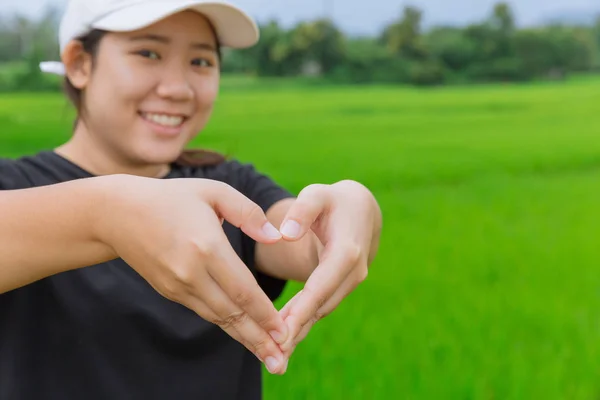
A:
[259, 186]
[39, 169]
[211, 165]
[13, 173]
[235, 172]
[228, 169]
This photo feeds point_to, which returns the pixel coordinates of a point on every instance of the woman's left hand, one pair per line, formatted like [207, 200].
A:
[346, 219]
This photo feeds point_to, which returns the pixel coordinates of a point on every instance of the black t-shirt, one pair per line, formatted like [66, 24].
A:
[102, 332]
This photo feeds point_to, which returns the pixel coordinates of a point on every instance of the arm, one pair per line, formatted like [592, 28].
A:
[48, 230]
[176, 243]
[335, 241]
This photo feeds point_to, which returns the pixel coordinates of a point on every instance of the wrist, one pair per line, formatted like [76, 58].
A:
[359, 192]
[104, 198]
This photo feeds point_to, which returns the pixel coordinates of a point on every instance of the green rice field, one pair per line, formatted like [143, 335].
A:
[487, 284]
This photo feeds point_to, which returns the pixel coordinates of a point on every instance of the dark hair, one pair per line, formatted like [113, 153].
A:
[91, 44]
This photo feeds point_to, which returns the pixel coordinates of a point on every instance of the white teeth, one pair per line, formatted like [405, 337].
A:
[165, 120]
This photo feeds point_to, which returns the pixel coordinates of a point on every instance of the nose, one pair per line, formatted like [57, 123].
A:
[174, 85]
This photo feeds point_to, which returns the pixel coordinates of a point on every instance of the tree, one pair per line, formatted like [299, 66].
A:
[319, 41]
[503, 20]
[502, 23]
[555, 50]
[20, 36]
[596, 33]
[452, 47]
[403, 37]
[268, 56]
[494, 49]
[369, 61]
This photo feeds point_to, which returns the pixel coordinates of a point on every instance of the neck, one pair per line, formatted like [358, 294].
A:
[93, 156]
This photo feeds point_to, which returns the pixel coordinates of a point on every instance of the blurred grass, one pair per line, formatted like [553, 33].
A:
[487, 284]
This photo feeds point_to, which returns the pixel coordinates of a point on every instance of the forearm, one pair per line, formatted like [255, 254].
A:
[294, 261]
[49, 230]
[288, 260]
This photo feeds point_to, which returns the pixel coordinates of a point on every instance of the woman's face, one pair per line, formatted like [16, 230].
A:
[152, 91]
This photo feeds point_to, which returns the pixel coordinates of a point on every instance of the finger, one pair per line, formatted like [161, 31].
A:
[206, 313]
[287, 355]
[334, 301]
[337, 263]
[293, 325]
[274, 368]
[239, 325]
[304, 332]
[285, 311]
[311, 203]
[243, 213]
[236, 280]
[349, 285]
[299, 331]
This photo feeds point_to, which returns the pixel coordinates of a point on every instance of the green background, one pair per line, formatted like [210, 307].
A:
[487, 283]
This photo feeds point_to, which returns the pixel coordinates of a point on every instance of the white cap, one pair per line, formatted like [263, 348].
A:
[234, 28]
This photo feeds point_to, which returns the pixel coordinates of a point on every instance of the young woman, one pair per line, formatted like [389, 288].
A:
[132, 268]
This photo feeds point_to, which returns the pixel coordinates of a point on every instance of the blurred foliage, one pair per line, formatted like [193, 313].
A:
[493, 50]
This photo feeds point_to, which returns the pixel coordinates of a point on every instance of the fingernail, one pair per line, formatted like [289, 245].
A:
[291, 229]
[272, 364]
[271, 231]
[277, 337]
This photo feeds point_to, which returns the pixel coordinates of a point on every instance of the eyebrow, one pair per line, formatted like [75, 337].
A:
[166, 40]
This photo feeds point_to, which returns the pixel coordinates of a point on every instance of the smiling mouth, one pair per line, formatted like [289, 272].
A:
[168, 121]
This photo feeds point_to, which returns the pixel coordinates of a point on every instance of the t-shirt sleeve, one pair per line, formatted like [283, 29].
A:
[11, 177]
[262, 190]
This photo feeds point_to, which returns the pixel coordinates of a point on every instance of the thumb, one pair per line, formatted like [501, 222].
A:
[235, 208]
[311, 203]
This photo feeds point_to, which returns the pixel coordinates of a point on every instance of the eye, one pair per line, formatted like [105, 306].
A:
[149, 54]
[201, 62]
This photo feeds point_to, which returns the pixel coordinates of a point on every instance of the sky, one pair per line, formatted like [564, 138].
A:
[369, 16]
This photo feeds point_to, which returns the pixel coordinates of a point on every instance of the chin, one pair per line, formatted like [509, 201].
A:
[160, 155]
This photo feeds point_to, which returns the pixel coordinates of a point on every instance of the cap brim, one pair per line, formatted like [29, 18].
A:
[53, 67]
[234, 28]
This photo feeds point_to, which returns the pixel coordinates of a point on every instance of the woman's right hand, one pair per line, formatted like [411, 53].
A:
[170, 232]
